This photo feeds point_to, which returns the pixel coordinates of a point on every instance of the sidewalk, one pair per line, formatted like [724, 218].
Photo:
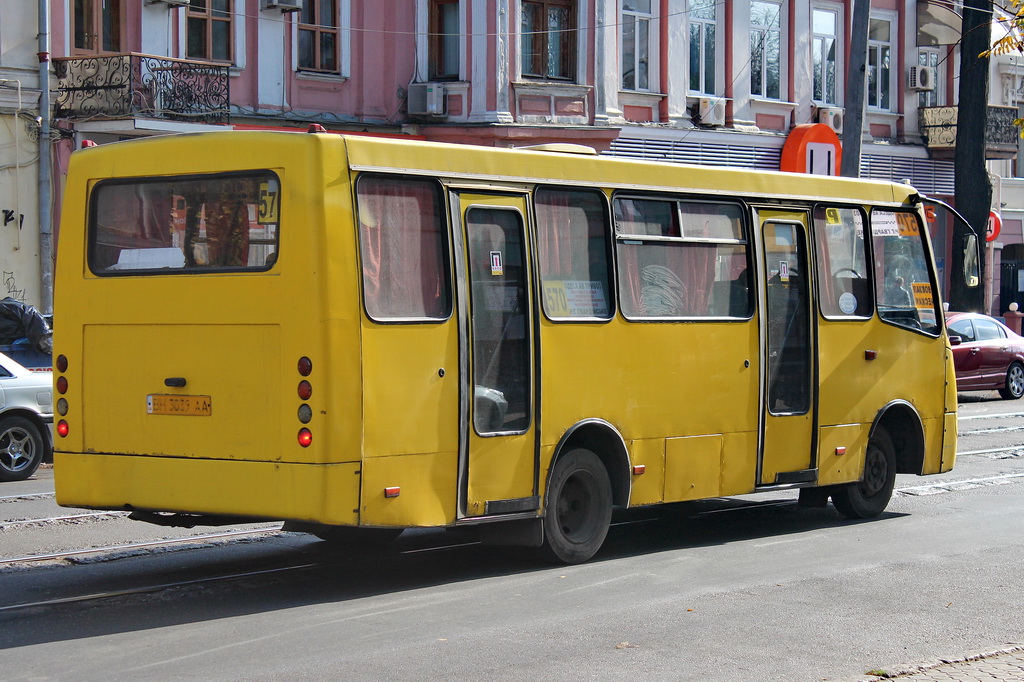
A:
[1003, 665]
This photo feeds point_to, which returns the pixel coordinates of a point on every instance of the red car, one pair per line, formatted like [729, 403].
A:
[987, 354]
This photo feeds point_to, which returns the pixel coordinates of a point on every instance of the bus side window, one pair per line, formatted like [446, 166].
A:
[573, 238]
[903, 287]
[681, 259]
[844, 289]
[404, 248]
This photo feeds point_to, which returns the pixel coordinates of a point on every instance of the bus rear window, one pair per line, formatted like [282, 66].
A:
[152, 226]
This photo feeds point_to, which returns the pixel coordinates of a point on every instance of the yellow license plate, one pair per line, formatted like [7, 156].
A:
[179, 405]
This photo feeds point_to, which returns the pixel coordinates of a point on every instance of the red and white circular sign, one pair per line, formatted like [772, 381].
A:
[993, 227]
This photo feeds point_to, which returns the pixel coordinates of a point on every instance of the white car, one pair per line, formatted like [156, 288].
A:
[26, 419]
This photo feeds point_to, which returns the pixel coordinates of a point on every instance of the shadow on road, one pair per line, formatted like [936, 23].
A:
[288, 570]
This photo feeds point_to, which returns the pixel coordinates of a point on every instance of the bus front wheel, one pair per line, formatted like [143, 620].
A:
[579, 507]
[870, 496]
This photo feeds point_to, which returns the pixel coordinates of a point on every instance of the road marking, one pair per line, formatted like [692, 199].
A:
[990, 416]
[950, 486]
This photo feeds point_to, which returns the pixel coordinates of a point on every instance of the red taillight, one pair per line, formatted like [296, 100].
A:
[62, 428]
[62, 363]
[305, 390]
[62, 385]
[305, 437]
[305, 366]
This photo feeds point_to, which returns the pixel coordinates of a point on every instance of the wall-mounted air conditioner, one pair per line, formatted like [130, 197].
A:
[832, 117]
[711, 111]
[172, 3]
[283, 5]
[426, 99]
[921, 78]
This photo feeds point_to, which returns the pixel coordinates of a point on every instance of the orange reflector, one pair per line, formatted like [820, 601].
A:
[305, 437]
[639, 469]
[62, 428]
[393, 491]
[841, 450]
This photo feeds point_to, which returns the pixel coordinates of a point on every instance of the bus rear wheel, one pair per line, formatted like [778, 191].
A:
[870, 496]
[579, 507]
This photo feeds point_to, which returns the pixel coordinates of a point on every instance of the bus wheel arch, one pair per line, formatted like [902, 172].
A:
[583, 485]
[906, 431]
[605, 441]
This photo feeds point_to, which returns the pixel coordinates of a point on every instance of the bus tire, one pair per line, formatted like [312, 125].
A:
[579, 507]
[1014, 387]
[869, 497]
[21, 448]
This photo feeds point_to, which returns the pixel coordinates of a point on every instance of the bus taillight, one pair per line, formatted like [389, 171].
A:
[305, 389]
[305, 437]
[305, 366]
[62, 428]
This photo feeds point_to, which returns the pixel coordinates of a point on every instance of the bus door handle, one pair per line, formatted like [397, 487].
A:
[174, 382]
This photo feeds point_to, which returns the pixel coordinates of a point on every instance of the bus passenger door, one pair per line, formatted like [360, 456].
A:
[788, 388]
[497, 453]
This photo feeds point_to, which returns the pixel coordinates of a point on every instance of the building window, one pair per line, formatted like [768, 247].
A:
[766, 49]
[636, 23]
[319, 37]
[444, 39]
[879, 64]
[825, 25]
[209, 30]
[929, 98]
[703, 22]
[97, 26]
[549, 39]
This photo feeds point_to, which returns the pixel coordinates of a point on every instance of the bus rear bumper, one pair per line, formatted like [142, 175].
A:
[321, 493]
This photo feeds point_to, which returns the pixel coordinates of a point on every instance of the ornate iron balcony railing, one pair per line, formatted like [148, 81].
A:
[124, 85]
[938, 126]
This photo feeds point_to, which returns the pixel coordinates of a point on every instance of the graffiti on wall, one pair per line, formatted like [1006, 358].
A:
[9, 218]
[10, 287]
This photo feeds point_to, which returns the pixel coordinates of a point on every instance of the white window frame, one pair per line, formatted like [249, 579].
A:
[652, 20]
[782, 38]
[931, 56]
[817, 42]
[703, 57]
[876, 47]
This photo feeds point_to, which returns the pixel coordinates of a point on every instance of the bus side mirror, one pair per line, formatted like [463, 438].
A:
[972, 272]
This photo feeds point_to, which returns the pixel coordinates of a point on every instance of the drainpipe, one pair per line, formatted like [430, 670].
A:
[45, 174]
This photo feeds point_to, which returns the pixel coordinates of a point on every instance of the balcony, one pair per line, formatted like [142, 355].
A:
[938, 127]
[138, 85]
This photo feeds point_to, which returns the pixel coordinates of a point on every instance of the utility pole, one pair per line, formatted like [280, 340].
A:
[853, 121]
[973, 187]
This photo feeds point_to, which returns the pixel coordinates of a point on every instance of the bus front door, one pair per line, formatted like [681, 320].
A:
[497, 458]
[788, 395]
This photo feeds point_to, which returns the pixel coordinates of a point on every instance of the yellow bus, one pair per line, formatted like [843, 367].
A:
[350, 333]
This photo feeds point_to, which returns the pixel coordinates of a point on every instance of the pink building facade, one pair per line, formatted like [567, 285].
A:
[693, 81]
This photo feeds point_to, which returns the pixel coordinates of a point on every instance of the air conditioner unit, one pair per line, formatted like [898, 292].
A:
[426, 99]
[710, 111]
[283, 5]
[172, 3]
[832, 117]
[921, 78]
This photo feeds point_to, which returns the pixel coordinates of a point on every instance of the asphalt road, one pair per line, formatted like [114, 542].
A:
[741, 589]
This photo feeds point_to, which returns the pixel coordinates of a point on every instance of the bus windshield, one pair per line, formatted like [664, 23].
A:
[223, 222]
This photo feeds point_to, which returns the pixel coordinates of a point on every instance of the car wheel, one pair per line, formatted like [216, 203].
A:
[21, 448]
[579, 508]
[869, 497]
[1014, 382]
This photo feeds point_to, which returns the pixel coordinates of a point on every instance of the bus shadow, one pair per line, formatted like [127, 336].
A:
[292, 570]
